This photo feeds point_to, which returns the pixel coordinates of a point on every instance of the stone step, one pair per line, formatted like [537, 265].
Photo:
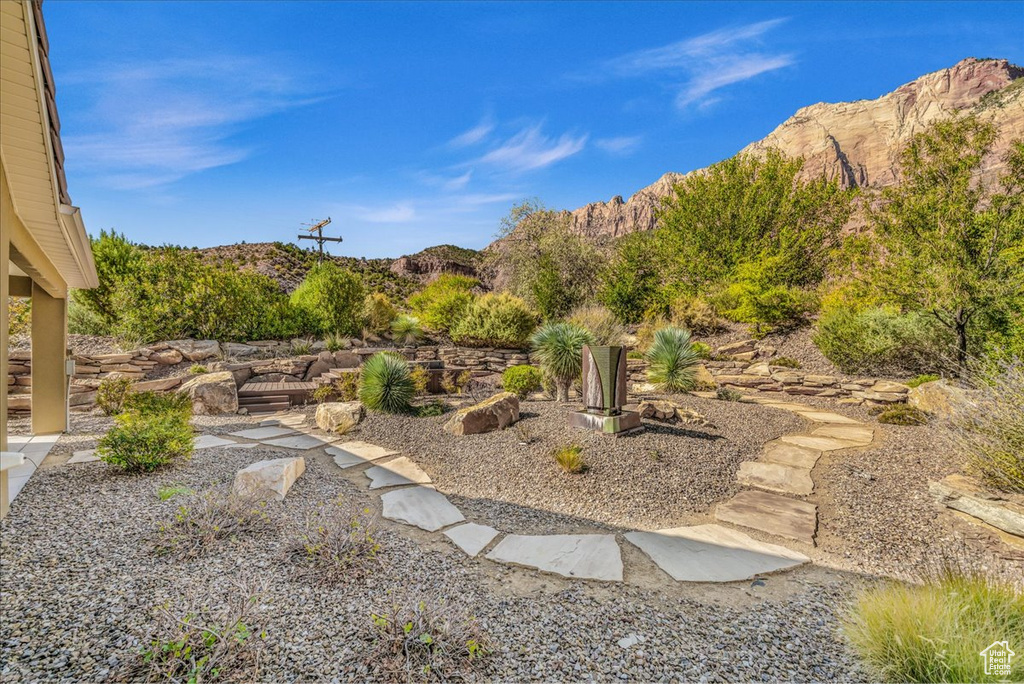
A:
[776, 477]
[424, 508]
[819, 442]
[861, 434]
[771, 513]
[580, 556]
[790, 454]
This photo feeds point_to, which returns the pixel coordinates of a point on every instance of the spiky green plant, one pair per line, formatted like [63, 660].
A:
[672, 360]
[406, 329]
[386, 384]
[559, 350]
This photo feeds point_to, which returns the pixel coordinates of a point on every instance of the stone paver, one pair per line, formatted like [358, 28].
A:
[401, 471]
[790, 454]
[819, 442]
[828, 417]
[86, 456]
[776, 477]
[580, 556]
[862, 434]
[300, 442]
[285, 419]
[268, 432]
[713, 553]
[424, 508]
[210, 441]
[356, 453]
[472, 538]
[771, 513]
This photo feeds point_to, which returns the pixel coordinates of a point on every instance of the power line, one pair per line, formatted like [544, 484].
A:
[318, 228]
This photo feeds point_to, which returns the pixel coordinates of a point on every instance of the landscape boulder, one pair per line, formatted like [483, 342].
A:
[703, 378]
[495, 413]
[212, 393]
[316, 369]
[240, 351]
[339, 416]
[938, 398]
[737, 348]
[269, 479]
[167, 357]
[667, 412]
[196, 350]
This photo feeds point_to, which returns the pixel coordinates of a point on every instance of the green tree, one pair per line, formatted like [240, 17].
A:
[632, 281]
[116, 260]
[331, 299]
[945, 243]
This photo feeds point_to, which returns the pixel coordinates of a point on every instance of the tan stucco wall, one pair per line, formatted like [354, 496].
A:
[49, 350]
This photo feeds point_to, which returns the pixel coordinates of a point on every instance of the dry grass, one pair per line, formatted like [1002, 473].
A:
[336, 543]
[208, 519]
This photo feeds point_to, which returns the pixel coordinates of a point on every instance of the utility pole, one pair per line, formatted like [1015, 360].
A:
[318, 228]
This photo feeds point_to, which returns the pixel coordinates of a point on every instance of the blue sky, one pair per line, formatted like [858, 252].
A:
[206, 123]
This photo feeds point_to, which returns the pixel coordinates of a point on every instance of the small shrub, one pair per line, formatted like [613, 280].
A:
[559, 349]
[335, 543]
[901, 414]
[784, 362]
[420, 379]
[728, 394]
[934, 632]
[322, 393]
[197, 643]
[406, 330]
[157, 403]
[197, 369]
[696, 315]
[142, 443]
[880, 341]
[426, 641]
[635, 354]
[432, 409]
[703, 351]
[378, 312]
[521, 380]
[208, 519]
[112, 394]
[602, 324]
[523, 432]
[302, 347]
[921, 379]
[570, 458]
[495, 320]
[672, 360]
[386, 384]
[443, 303]
[454, 382]
[170, 491]
[334, 341]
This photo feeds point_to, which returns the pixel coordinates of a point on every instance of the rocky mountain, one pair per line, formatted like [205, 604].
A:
[855, 142]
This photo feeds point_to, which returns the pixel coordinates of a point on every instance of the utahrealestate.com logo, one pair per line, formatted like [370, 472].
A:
[997, 658]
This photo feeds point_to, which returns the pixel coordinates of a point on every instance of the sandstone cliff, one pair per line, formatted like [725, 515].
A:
[855, 142]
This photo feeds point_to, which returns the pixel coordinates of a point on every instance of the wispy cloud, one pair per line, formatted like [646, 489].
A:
[400, 212]
[531, 149]
[703, 64]
[152, 124]
[474, 135]
[620, 146]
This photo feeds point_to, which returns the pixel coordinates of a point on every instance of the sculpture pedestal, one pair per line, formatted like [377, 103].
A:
[625, 422]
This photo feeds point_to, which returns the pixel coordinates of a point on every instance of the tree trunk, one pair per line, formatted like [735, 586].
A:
[562, 390]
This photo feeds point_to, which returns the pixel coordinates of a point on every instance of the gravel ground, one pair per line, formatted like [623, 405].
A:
[80, 584]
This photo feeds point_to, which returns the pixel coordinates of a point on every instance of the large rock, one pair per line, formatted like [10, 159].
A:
[240, 351]
[495, 413]
[938, 398]
[196, 350]
[316, 369]
[667, 412]
[339, 416]
[212, 393]
[167, 357]
[269, 479]
[961, 494]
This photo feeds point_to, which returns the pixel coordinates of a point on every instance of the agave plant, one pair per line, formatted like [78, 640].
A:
[406, 330]
[672, 360]
[559, 350]
[386, 383]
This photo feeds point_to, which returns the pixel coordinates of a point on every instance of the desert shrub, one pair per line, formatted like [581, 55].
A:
[198, 643]
[454, 382]
[197, 369]
[992, 438]
[143, 442]
[335, 543]
[934, 632]
[631, 283]
[406, 330]
[570, 458]
[208, 519]
[386, 383]
[158, 403]
[82, 320]
[112, 393]
[645, 332]
[322, 393]
[170, 491]
[331, 299]
[442, 303]
[602, 324]
[784, 362]
[347, 386]
[420, 378]
[301, 347]
[521, 380]
[696, 315]
[902, 414]
[703, 351]
[334, 341]
[559, 350]
[378, 312]
[426, 641]
[495, 320]
[728, 394]
[431, 409]
[760, 297]
[19, 316]
[672, 360]
[882, 341]
[921, 379]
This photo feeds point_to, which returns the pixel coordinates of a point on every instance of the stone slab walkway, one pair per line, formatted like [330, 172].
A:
[259, 433]
[401, 471]
[471, 537]
[771, 513]
[580, 556]
[300, 442]
[424, 508]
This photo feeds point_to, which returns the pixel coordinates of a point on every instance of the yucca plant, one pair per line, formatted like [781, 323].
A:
[386, 383]
[672, 360]
[406, 329]
[559, 350]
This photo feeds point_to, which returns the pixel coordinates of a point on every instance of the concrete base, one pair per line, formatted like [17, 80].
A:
[624, 422]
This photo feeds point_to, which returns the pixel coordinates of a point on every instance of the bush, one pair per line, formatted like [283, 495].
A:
[322, 393]
[335, 543]
[935, 632]
[19, 316]
[143, 442]
[331, 299]
[521, 380]
[672, 360]
[420, 378]
[784, 362]
[496, 320]
[302, 347]
[442, 303]
[881, 341]
[901, 414]
[645, 332]
[432, 409]
[347, 386]
[921, 379]
[112, 393]
[759, 298]
[426, 640]
[559, 350]
[454, 382]
[406, 330]
[703, 351]
[696, 315]
[378, 312]
[206, 520]
[153, 403]
[570, 459]
[197, 369]
[386, 384]
[602, 324]
[728, 394]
